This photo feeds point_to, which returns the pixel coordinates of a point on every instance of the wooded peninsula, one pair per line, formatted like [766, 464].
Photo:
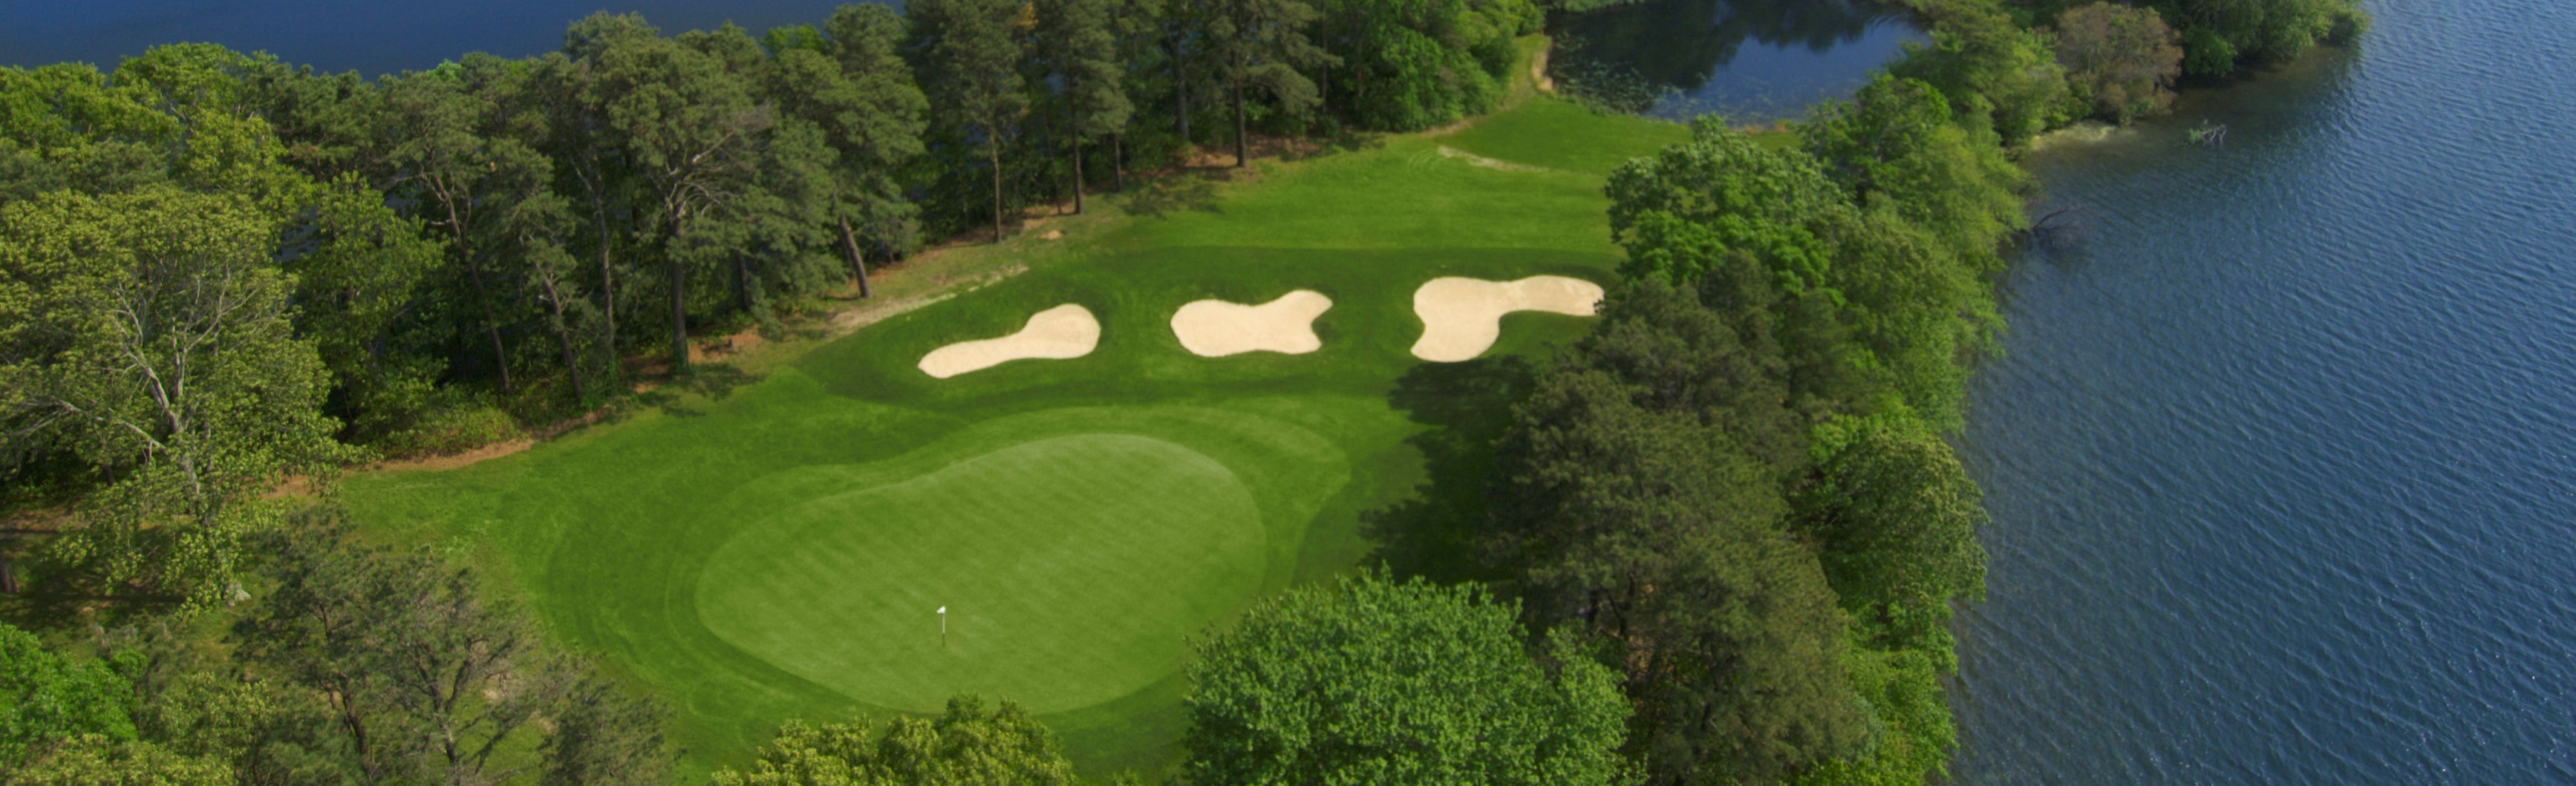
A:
[1712, 534]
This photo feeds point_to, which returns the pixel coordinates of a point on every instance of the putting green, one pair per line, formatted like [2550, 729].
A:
[1072, 568]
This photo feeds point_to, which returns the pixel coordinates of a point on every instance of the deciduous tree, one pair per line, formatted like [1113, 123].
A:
[2121, 61]
[148, 334]
[967, 744]
[1372, 681]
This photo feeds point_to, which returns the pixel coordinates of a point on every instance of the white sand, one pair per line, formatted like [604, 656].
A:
[1066, 331]
[1461, 317]
[1216, 328]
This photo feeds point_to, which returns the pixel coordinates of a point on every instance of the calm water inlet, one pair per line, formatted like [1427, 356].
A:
[1752, 61]
[2283, 461]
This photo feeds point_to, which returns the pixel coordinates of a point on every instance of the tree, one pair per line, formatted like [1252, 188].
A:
[364, 276]
[966, 744]
[1076, 42]
[1988, 65]
[602, 735]
[878, 133]
[2121, 61]
[1752, 205]
[1373, 681]
[1407, 65]
[1896, 519]
[100, 761]
[46, 698]
[420, 674]
[1260, 44]
[1638, 516]
[693, 130]
[147, 333]
[2219, 36]
[856, 91]
[1895, 146]
[966, 56]
[464, 137]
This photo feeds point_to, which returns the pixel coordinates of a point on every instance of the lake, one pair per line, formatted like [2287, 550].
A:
[1751, 61]
[371, 36]
[2282, 461]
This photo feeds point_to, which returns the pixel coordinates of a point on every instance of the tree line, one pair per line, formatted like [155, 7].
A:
[217, 269]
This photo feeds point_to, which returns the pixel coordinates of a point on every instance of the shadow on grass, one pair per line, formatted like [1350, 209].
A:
[1163, 196]
[1438, 533]
[710, 381]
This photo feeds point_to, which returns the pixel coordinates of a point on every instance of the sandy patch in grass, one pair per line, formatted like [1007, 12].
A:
[1216, 328]
[1066, 331]
[1461, 317]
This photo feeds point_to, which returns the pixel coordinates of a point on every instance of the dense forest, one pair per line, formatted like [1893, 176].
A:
[1725, 531]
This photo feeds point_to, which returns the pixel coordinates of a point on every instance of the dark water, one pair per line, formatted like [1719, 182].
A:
[2283, 467]
[370, 36]
[1753, 61]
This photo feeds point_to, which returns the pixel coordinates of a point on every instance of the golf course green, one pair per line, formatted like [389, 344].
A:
[778, 546]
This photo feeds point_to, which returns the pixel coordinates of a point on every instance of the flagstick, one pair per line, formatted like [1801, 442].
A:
[943, 627]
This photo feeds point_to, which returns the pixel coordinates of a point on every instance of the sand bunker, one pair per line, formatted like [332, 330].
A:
[1461, 317]
[1066, 331]
[1216, 328]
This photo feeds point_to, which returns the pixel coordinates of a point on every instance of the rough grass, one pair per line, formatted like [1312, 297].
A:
[773, 549]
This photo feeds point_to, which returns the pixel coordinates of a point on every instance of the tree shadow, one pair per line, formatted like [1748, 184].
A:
[710, 381]
[1162, 196]
[1438, 532]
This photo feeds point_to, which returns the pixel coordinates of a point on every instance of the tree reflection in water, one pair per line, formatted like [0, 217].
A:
[1752, 60]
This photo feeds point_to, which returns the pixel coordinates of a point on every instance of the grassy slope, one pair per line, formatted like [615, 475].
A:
[610, 532]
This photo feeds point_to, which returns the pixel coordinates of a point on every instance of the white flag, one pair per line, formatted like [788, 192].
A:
[943, 609]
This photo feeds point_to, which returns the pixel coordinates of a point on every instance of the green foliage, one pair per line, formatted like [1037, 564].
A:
[968, 744]
[1723, 200]
[1641, 518]
[148, 334]
[1911, 734]
[102, 761]
[1261, 45]
[1988, 65]
[46, 697]
[2221, 36]
[1895, 518]
[1406, 65]
[424, 678]
[2120, 61]
[966, 56]
[1377, 682]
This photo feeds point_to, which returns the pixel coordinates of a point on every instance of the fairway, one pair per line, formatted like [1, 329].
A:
[777, 548]
[1072, 568]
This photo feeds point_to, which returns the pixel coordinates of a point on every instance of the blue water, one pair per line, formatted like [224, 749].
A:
[2283, 461]
[1751, 61]
[370, 36]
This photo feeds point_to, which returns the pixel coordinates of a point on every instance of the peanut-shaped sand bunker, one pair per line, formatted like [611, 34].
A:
[1066, 331]
[1216, 328]
[1461, 317]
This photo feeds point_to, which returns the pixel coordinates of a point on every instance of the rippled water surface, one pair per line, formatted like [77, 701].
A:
[2283, 462]
[370, 36]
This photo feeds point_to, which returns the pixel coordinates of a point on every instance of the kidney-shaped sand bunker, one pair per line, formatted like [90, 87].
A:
[1073, 568]
[1461, 317]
